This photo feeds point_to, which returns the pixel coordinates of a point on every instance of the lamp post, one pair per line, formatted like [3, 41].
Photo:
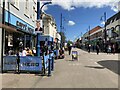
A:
[105, 32]
[2, 45]
[39, 16]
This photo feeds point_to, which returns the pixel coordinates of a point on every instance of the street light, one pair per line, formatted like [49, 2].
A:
[43, 6]
[39, 16]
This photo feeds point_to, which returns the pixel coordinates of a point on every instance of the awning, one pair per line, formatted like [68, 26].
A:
[8, 28]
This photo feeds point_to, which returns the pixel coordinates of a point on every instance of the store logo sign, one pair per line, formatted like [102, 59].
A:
[21, 25]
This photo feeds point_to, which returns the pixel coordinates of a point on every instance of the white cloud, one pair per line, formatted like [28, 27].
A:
[103, 23]
[71, 23]
[72, 4]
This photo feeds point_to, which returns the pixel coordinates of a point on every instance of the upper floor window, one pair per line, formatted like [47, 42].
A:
[15, 3]
[34, 14]
[27, 8]
[1, 2]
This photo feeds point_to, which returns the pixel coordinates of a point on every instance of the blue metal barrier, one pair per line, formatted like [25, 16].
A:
[9, 63]
[27, 63]
[30, 63]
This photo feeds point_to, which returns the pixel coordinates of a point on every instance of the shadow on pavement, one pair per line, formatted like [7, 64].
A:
[71, 60]
[95, 67]
[113, 65]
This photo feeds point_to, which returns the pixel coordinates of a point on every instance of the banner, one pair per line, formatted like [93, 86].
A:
[9, 63]
[30, 63]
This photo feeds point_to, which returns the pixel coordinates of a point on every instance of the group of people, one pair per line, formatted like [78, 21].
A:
[108, 49]
[111, 49]
[28, 52]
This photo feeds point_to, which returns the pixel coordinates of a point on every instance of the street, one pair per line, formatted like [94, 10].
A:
[90, 71]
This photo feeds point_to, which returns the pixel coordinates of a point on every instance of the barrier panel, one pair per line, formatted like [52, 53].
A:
[29, 63]
[9, 63]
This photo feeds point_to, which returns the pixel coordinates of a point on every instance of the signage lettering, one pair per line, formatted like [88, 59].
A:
[24, 27]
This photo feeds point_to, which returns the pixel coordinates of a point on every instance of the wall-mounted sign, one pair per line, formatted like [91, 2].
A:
[19, 23]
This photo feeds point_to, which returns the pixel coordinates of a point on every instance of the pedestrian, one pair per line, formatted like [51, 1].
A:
[29, 52]
[34, 51]
[69, 49]
[89, 48]
[18, 63]
[93, 48]
[113, 48]
[109, 49]
[97, 49]
[24, 52]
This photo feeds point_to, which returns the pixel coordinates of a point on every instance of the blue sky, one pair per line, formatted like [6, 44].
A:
[77, 20]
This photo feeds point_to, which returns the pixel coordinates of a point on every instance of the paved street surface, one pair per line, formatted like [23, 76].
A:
[90, 71]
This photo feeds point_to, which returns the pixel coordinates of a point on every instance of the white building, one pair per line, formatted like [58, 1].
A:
[20, 17]
[50, 29]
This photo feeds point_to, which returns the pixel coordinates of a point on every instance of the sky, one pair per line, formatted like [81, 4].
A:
[77, 15]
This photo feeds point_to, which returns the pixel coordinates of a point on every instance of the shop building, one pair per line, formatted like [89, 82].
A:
[113, 31]
[20, 19]
[49, 29]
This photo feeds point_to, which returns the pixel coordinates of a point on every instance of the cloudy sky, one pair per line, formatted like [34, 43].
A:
[78, 15]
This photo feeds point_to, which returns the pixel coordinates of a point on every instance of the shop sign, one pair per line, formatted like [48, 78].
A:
[24, 27]
[21, 25]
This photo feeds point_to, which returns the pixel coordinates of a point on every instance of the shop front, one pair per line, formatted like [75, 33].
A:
[23, 35]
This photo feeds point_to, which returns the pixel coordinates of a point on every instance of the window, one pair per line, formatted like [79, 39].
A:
[1, 2]
[15, 3]
[27, 8]
[33, 15]
[117, 30]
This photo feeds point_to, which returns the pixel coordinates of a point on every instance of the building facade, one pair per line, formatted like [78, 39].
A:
[93, 37]
[113, 31]
[49, 27]
[20, 17]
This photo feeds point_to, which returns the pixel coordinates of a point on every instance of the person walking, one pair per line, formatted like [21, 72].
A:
[113, 48]
[89, 48]
[24, 52]
[18, 63]
[109, 49]
[93, 47]
[34, 51]
[97, 49]
[69, 49]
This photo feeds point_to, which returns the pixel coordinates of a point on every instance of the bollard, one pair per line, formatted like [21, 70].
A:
[49, 67]
[18, 63]
[52, 66]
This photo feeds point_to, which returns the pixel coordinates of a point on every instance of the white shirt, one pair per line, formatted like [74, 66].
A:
[24, 53]
[34, 51]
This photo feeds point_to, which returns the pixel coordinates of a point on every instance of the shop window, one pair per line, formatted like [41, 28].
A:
[117, 30]
[10, 40]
